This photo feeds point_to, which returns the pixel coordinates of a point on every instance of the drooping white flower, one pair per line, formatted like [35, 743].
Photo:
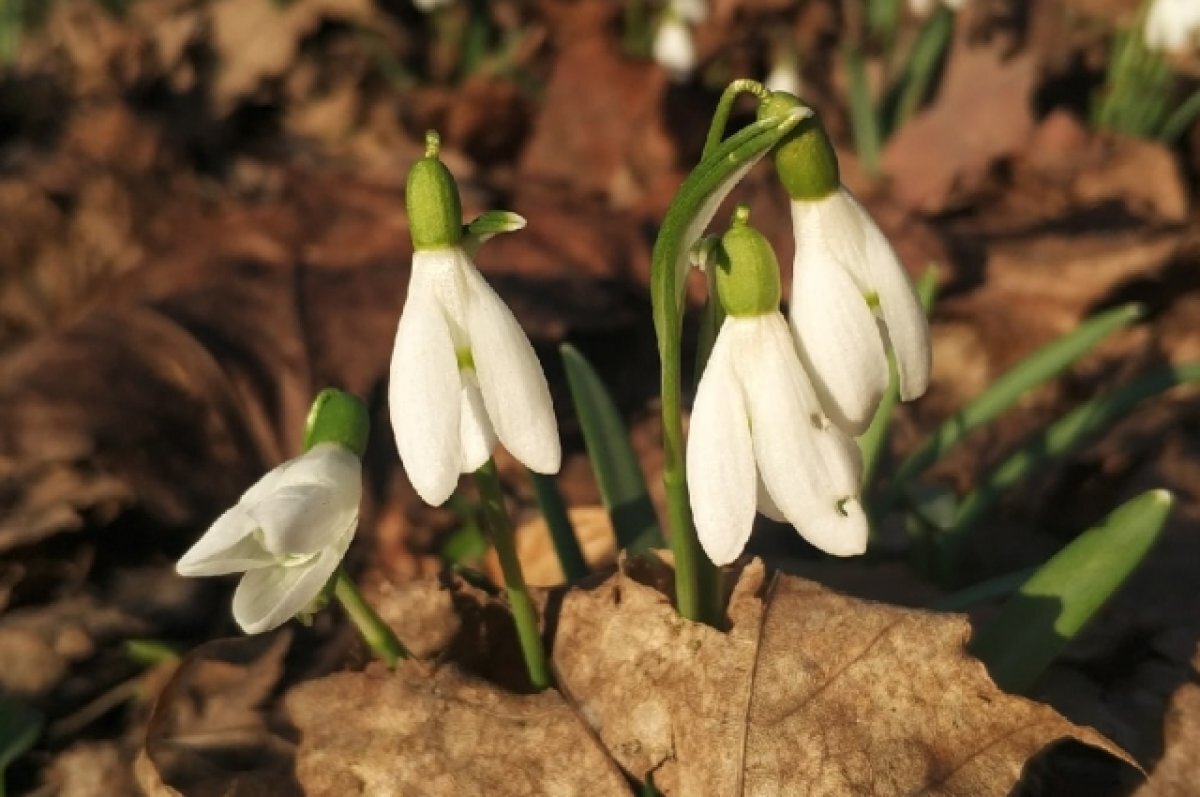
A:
[758, 437]
[287, 533]
[674, 48]
[851, 301]
[1173, 25]
[759, 440]
[463, 375]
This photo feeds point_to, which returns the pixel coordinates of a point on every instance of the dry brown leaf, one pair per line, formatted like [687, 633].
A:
[810, 692]
[535, 549]
[982, 113]
[208, 734]
[442, 735]
[1178, 772]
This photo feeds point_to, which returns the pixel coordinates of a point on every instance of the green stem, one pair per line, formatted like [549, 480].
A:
[562, 532]
[716, 128]
[499, 527]
[374, 630]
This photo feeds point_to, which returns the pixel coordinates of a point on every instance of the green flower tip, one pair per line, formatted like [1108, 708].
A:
[431, 196]
[747, 270]
[337, 417]
[804, 160]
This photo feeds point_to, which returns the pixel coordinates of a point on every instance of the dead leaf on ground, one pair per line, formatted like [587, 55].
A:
[983, 112]
[1177, 774]
[209, 733]
[810, 692]
[535, 549]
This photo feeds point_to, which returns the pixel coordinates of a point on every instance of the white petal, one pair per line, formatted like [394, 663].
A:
[475, 431]
[837, 339]
[229, 546]
[903, 317]
[674, 49]
[424, 385]
[720, 458]
[510, 378]
[766, 504]
[268, 597]
[803, 460]
[314, 500]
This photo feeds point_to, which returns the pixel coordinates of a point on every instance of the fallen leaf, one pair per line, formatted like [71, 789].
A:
[209, 733]
[593, 529]
[1178, 772]
[442, 735]
[982, 113]
[809, 692]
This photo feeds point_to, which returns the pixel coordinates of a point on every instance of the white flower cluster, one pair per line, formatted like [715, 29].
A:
[1173, 25]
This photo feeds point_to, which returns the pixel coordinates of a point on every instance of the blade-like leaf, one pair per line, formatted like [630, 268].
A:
[618, 475]
[864, 121]
[20, 726]
[1058, 600]
[562, 532]
[1039, 367]
[1054, 441]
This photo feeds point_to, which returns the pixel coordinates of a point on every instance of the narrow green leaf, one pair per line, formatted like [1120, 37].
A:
[984, 591]
[1056, 440]
[562, 533]
[618, 475]
[1181, 119]
[864, 121]
[872, 441]
[1039, 367]
[922, 66]
[1057, 601]
[150, 652]
[20, 726]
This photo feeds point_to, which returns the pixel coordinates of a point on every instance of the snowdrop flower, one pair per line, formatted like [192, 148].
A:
[428, 6]
[463, 374]
[674, 49]
[289, 531]
[1172, 25]
[851, 297]
[758, 438]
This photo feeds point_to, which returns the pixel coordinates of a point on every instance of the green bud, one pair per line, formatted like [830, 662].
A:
[431, 196]
[804, 160]
[747, 271]
[337, 417]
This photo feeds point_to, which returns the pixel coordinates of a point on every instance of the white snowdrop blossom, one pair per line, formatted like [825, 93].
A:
[463, 375]
[1173, 25]
[851, 300]
[759, 440]
[758, 437]
[428, 6]
[287, 533]
[674, 48]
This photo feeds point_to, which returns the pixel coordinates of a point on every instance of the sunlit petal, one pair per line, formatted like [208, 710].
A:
[802, 459]
[424, 386]
[838, 340]
[514, 388]
[229, 546]
[316, 498]
[720, 457]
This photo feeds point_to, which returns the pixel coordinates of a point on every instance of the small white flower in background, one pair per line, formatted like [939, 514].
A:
[431, 5]
[851, 300]
[463, 373]
[758, 438]
[287, 534]
[922, 8]
[674, 48]
[1173, 25]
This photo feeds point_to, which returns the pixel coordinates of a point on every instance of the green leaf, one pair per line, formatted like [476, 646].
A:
[1056, 440]
[992, 588]
[864, 121]
[20, 726]
[922, 66]
[562, 532]
[618, 475]
[1039, 367]
[1057, 601]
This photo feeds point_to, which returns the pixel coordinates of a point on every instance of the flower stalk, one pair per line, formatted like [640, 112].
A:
[375, 632]
[499, 528]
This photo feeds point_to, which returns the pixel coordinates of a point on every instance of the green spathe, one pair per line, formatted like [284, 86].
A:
[747, 270]
[431, 196]
[337, 417]
[805, 160]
